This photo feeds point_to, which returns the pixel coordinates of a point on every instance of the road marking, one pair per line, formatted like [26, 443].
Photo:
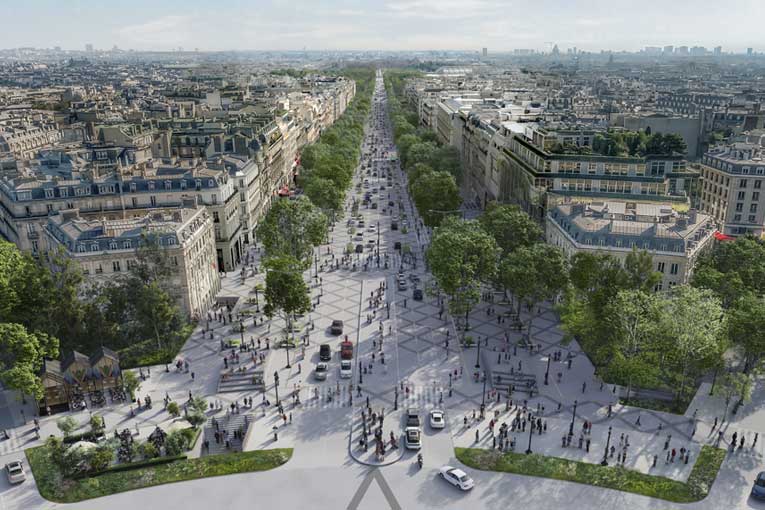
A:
[374, 475]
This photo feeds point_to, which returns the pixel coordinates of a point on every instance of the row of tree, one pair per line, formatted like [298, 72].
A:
[44, 306]
[618, 143]
[327, 166]
[293, 228]
[434, 170]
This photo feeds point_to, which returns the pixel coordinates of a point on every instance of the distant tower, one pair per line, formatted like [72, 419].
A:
[749, 52]
[89, 48]
[485, 52]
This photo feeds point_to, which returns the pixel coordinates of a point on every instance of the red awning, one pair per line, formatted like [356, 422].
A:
[723, 237]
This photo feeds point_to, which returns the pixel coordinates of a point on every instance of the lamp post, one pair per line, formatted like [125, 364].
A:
[528, 450]
[478, 354]
[547, 372]
[276, 386]
[604, 462]
[361, 378]
[483, 395]
[573, 417]
[288, 354]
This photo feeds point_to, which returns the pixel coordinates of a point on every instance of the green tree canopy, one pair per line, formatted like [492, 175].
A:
[293, 228]
[21, 358]
[435, 193]
[511, 227]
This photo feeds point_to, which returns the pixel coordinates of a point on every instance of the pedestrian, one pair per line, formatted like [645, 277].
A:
[476, 435]
[754, 441]
[637, 422]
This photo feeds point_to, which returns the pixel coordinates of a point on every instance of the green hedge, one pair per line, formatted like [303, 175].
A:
[54, 487]
[84, 436]
[696, 488]
[129, 466]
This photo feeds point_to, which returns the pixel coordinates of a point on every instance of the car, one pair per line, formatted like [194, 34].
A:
[320, 373]
[390, 203]
[372, 229]
[402, 285]
[14, 471]
[359, 237]
[346, 350]
[417, 294]
[359, 248]
[374, 205]
[397, 245]
[457, 477]
[413, 417]
[346, 369]
[437, 419]
[325, 352]
[412, 438]
[394, 226]
[758, 489]
[337, 327]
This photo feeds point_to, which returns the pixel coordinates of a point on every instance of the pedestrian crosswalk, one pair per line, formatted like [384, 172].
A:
[317, 396]
[15, 442]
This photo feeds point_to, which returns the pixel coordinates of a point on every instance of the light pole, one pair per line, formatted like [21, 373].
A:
[483, 394]
[573, 417]
[288, 354]
[605, 453]
[478, 354]
[276, 386]
[547, 373]
[528, 450]
[361, 378]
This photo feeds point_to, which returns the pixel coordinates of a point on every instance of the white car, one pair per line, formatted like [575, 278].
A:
[321, 372]
[413, 438]
[372, 229]
[437, 419]
[345, 369]
[15, 472]
[457, 477]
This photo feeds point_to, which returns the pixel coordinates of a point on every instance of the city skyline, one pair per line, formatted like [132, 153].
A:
[392, 25]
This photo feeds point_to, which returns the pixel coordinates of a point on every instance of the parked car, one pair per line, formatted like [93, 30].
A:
[374, 205]
[437, 419]
[417, 294]
[359, 248]
[397, 245]
[413, 417]
[393, 225]
[14, 471]
[758, 489]
[345, 369]
[320, 373]
[337, 327]
[457, 477]
[412, 438]
[325, 352]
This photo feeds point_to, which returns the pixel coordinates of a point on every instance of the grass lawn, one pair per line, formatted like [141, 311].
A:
[699, 482]
[54, 487]
[666, 406]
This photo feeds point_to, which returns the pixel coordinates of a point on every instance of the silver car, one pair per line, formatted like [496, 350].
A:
[320, 374]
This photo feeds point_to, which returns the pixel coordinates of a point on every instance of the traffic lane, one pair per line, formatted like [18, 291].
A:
[23, 495]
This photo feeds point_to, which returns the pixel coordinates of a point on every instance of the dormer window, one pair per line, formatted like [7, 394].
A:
[81, 248]
[211, 183]
[132, 187]
[113, 245]
[151, 185]
[49, 193]
[168, 185]
[94, 247]
[126, 245]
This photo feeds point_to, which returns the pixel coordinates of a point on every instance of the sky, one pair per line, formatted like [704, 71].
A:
[499, 25]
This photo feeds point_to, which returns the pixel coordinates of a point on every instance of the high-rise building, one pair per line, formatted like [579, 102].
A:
[669, 49]
[749, 52]
[485, 52]
[718, 50]
[89, 48]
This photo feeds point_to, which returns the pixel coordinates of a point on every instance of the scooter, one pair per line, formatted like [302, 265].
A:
[419, 460]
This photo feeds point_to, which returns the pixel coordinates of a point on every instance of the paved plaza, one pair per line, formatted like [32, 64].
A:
[406, 354]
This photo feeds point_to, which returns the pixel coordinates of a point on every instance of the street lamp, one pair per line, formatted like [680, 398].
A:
[361, 378]
[605, 453]
[547, 373]
[276, 386]
[478, 354]
[573, 417]
[288, 354]
[528, 450]
[483, 395]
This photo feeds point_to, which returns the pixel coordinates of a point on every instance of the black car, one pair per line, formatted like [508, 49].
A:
[359, 248]
[394, 226]
[417, 294]
[337, 327]
[374, 205]
[325, 353]
[397, 245]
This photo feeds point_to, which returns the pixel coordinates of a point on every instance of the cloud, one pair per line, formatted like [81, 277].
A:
[161, 33]
[445, 9]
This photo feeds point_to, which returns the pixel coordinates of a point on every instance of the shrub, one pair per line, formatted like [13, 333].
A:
[176, 443]
[174, 409]
[148, 450]
[101, 457]
[66, 425]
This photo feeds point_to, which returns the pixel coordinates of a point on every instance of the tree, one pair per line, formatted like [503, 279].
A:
[693, 325]
[746, 329]
[66, 425]
[173, 409]
[324, 193]
[96, 424]
[153, 265]
[534, 274]
[447, 159]
[293, 228]
[634, 318]
[148, 450]
[175, 443]
[101, 457]
[21, 358]
[510, 226]
[418, 171]
[732, 269]
[421, 152]
[131, 382]
[286, 291]
[435, 194]
[640, 273]
[461, 255]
